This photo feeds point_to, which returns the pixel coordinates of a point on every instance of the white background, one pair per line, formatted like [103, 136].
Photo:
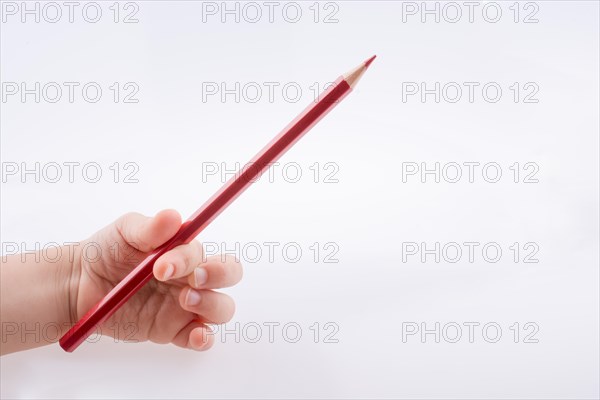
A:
[370, 294]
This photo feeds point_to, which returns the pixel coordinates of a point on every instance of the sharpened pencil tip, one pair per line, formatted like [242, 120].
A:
[353, 76]
[369, 61]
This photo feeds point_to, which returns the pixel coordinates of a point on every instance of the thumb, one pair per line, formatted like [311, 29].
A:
[148, 233]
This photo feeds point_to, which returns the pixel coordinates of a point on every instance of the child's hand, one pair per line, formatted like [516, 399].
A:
[174, 308]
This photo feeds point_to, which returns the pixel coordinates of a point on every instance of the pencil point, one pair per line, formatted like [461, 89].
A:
[369, 61]
[353, 76]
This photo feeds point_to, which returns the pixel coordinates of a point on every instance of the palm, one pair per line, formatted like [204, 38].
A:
[144, 316]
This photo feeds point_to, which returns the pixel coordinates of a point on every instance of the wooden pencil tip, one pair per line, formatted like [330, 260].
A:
[369, 61]
[353, 76]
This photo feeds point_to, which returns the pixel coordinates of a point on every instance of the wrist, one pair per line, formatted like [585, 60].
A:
[37, 293]
[67, 277]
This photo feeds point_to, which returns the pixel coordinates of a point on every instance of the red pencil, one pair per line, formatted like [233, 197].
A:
[139, 276]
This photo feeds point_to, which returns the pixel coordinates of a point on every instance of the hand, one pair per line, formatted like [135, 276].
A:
[176, 307]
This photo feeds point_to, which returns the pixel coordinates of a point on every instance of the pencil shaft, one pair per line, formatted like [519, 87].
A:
[139, 276]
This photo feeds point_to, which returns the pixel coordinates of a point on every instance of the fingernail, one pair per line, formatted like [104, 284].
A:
[169, 272]
[192, 298]
[200, 276]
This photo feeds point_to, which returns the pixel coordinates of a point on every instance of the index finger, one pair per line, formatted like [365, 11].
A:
[217, 272]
